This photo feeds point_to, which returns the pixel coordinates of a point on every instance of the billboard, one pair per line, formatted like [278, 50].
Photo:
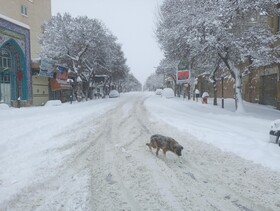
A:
[183, 72]
[47, 68]
[61, 72]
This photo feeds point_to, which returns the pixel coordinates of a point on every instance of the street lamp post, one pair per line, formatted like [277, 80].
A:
[222, 91]
[71, 95]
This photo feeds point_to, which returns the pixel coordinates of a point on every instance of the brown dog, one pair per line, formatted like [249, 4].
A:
[165, 143]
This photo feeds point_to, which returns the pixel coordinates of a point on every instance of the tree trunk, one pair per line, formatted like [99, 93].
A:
[238, 93]
[85, 89]
[238, 98]
[215, 92]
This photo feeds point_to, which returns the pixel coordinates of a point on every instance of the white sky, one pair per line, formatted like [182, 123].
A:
[132, 21]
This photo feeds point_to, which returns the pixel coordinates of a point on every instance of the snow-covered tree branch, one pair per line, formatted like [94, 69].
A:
[85, 45]
[233, 31]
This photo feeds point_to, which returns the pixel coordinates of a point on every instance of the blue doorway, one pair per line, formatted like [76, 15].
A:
[13, 79]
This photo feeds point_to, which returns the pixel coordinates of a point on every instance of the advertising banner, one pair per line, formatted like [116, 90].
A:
[47, 68]
[62, 73]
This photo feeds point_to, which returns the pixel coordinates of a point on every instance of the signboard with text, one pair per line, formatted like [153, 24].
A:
[47, 68]
[183, 72]
[62, 72]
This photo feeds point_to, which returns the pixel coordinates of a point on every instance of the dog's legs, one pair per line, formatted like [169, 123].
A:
[164, 153]
[149, 145]
[157, 151]
[164, 157]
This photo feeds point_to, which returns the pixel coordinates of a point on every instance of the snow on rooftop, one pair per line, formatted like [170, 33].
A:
[14, 21]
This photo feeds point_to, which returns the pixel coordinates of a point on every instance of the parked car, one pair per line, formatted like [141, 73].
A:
[274, 133]
[168, 93]
[159, 92]
[114, 93]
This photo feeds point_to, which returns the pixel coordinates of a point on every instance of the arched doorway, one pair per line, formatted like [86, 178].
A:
[5, 76]
[13, 84]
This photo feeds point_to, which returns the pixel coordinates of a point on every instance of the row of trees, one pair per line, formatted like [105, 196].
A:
[87, 47]
[215, 35]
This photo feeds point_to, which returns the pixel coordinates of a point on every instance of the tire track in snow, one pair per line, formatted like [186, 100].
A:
[222, 181]
[109, 191]
[142, 181]
[67, 186]
[207, 178]
[112, 169]
[140, 190]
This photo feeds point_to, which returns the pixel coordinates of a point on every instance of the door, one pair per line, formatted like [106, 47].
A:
[5, 76]
[269, 90]
[5, 93]
[5, 87]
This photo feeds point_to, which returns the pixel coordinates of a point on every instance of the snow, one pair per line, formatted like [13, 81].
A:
[205, 94]
[168, 93]
[4, 106]
[65, 158]
[245, 134]
[14, 21]
[53, 103]
[275, 125]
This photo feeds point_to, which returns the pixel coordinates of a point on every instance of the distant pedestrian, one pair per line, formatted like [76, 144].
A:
[205, 95]
[196, 91]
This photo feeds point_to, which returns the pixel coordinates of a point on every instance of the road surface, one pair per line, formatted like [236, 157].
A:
[111, 168]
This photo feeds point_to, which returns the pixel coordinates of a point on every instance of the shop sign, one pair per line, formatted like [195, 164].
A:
[47, 68]
[183, 72]
[61, 72]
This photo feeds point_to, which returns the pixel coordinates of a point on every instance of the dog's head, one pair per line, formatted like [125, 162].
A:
[179, 149]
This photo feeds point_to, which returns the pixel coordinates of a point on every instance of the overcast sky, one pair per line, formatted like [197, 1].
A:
[132, 21]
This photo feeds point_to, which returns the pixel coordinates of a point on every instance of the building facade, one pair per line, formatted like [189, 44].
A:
[32, 13]
[262, 85]
[20, 27]
[15, 62]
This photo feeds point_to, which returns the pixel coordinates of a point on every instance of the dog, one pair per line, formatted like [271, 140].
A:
[164, 143]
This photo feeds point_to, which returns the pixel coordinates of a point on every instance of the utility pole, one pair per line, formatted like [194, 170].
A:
[222, 91]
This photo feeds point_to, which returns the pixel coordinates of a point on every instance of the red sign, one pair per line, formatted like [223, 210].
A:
[183, 76]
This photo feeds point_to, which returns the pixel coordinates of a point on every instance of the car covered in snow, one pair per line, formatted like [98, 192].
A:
[114, 93]
[159, 91]
[168, 93]
[274, 132]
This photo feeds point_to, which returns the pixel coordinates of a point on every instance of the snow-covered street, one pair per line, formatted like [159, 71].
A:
[92, 156]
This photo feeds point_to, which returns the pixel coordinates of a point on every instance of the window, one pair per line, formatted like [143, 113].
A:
[5, 77]
[5, 65]
[5, 59]
[23, 10]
